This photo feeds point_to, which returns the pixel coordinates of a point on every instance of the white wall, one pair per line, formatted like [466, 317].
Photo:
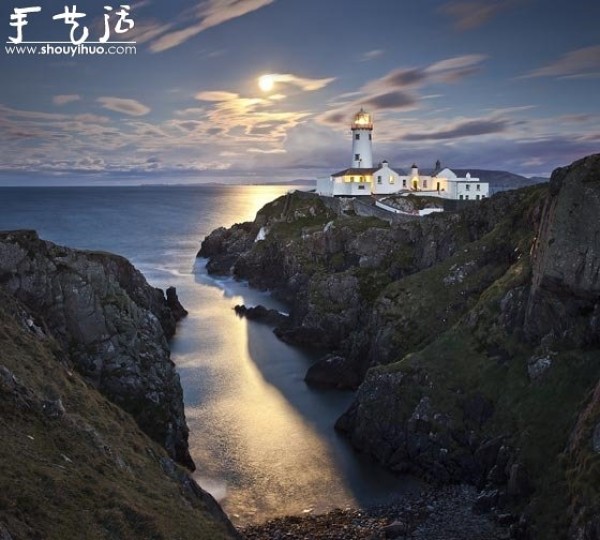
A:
[363, 147]
[386, 180]
[471, 189]
[337, 186]
[325, 186]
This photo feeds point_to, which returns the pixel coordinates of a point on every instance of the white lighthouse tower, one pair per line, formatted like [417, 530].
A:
[362, 141]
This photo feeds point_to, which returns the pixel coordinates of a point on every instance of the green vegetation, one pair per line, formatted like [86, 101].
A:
[538, 416]
[90, 473]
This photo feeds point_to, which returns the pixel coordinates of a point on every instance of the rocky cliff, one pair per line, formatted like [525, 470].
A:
[74, 465]
[475, 334]
[112, 326]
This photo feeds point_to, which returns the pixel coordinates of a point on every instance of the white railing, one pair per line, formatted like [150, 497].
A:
[387, 208]
[424, 212]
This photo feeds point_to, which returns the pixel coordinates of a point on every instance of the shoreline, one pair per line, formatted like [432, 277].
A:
[444, 513]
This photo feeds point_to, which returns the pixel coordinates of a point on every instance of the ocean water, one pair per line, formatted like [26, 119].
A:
[263, 442]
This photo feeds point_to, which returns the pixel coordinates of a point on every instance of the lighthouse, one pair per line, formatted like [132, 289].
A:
[362, 140]
[362, 178]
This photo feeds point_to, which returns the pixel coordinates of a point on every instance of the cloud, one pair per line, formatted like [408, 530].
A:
[130, 107]
[263, 151]
[145, 31]
[304, 83]
[63, 99]
[449, 70]
[469, 14]
[579, 63]
[334, 118]
[88, 118]
[397, 90]
[173, 39]
[402, 78]
[391, 100]
[216, 96]
[467, 128]
[457, 68]
[241, 120]
[189, 125]
[371, 55]
[210, 13]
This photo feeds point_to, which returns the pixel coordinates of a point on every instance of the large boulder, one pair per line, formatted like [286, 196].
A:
[334, 371]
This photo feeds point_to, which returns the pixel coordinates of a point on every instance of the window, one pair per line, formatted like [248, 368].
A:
[468, 187]
[361, 186]
[467, 197]
[361, 179]
[403, 183]
[461, 197]
[370, 137]
[392, 180]
[477, 197]
[356, 157]
[379, 179]
[478, 187]
[424, 184]
[357, 136]
[352, 179]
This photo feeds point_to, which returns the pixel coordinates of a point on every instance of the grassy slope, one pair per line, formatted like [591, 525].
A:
[539, 416]
[89, 474]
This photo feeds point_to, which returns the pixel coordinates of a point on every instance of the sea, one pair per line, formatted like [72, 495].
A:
[262, 440]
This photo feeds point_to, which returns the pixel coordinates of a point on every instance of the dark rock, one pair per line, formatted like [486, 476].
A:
[53, 409]
[112, 323]
[591, 528]
[486, 501]
[518, 482]
[506, 519]
[564, 300]
[234, 240]
[262, 314]
[537, 366]
[173, 303]
[497, 475]
[521, 530]
[192, 491]
[306, 337]
[477, 410]
[333, 371]
[396, 529]
[4, 534]
[596, 439]
[221, 265]
[487, 454]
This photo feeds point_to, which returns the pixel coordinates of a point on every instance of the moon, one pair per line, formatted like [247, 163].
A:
[266, 83]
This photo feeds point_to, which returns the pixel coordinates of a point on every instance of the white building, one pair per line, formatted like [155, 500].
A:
[362, 178]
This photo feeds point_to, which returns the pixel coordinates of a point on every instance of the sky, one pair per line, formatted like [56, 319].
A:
[493, 84]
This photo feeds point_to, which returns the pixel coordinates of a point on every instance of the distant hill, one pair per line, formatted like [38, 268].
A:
[539, 179]
[297, 182]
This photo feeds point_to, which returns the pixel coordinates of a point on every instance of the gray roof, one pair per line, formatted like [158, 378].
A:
[355, 171]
